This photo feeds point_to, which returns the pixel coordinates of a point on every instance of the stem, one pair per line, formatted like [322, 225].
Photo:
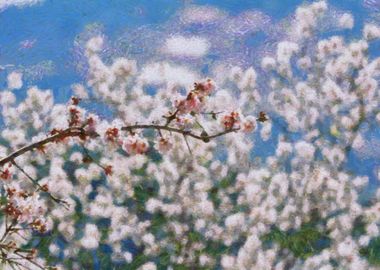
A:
[170, 118]
[180, 131]
[29, 260]
[79, 131]
[187, 144]
[87, 153]
[7, 229]
[35, 182]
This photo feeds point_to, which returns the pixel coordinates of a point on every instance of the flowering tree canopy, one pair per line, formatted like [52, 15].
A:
[169, 180]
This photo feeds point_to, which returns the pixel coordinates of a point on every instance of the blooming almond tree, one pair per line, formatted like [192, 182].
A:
[36, 187]
[169, 181]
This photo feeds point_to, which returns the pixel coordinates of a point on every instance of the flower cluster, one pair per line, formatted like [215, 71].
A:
[26, 209]
[231, 121]
[134, 144]
[195, 99]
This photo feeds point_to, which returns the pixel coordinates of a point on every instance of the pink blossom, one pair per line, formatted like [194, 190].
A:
[205, 88]
[134, 144]
[231, 120]
[163, 145]
[249, 124]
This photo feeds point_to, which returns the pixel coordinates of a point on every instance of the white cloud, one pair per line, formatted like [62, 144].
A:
[201, 14]
[161, 73]
[247, 22]
[186, 46]
[18, 3]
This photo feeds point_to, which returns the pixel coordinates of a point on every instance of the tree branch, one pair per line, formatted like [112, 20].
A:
[35, 182]
[79, 131]
[69, 132]
[180, 131]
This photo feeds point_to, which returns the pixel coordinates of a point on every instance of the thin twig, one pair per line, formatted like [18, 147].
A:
[12, 262]
[7, 229]
[35, 182]
[79, 131]
[213, 114]
[171, 117]
[29, 260]
[187, 144]
[87, 153]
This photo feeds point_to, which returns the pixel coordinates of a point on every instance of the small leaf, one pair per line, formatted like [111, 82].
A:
[204, 135]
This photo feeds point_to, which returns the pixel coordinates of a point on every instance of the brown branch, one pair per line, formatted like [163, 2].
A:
[8, 249]
[92, 159]
[171, 117]
[29, 260]
[79, 131]
[69, 132]
[13, 261]
[187, 144]
[8, 229]
[180, 131]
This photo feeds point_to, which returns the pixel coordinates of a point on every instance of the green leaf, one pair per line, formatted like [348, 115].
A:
[303, 243]
[372, 251]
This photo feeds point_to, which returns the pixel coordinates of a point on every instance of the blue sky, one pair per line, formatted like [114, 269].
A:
[40, 37]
